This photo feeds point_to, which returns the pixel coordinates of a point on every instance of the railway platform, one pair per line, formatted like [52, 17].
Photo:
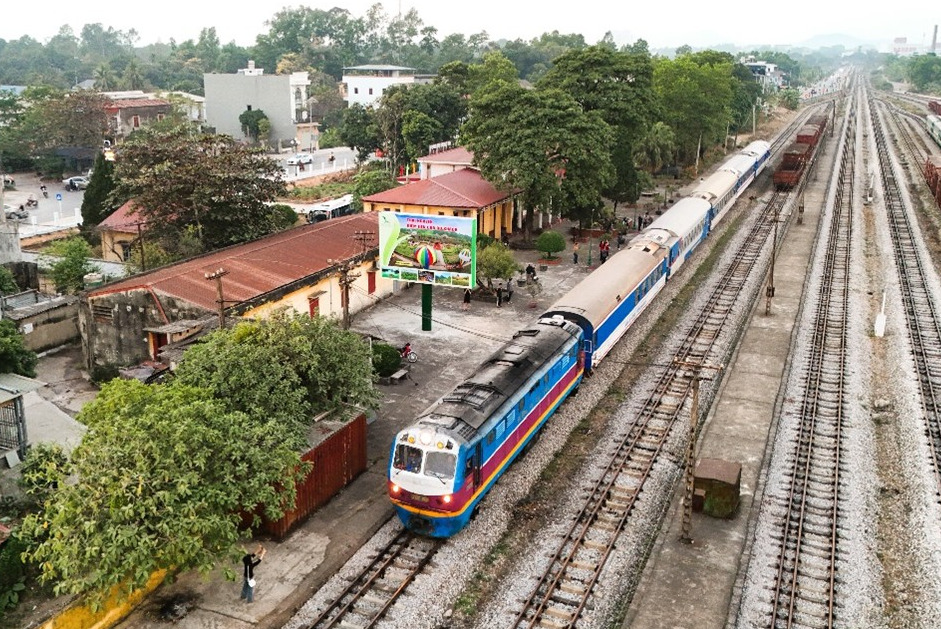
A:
[694, 584]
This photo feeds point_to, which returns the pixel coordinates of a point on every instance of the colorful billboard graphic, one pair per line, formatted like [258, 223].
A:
[426, 249]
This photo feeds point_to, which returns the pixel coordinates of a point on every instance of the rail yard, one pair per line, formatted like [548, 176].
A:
[839, 520]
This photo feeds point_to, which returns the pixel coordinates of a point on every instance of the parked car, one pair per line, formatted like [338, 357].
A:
[75, 183]
[300, 158]
[13, 214]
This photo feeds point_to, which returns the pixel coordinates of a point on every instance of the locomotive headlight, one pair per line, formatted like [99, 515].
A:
[411, 439]
[395, 488]
[446, 499]
[440, 445]
[425, 437]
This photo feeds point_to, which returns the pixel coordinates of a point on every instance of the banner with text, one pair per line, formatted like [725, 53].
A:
[440, 250]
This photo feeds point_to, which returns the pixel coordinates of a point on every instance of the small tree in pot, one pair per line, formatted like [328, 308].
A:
[550, 242]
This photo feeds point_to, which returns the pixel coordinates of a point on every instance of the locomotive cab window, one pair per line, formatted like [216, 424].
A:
[407, 458]
[440, 465]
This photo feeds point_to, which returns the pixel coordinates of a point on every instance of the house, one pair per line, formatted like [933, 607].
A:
[364, 85]
[463, 192]
[128, 321]
[442, 158]
[120, 232]
[766, 74]
[192, 105]
[127, 115]
[283, 98]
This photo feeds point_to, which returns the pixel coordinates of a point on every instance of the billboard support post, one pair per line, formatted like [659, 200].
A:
[426, 307]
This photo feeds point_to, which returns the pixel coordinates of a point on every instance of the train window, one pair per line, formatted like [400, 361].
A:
[440, 464]
[501, 427]
[490, 437]
[407, 458]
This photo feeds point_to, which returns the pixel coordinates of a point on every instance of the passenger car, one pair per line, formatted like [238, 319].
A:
[79, 183]
[300, 158]
[14, 213]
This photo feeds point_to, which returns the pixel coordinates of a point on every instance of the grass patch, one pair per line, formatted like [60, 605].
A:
[331, 188]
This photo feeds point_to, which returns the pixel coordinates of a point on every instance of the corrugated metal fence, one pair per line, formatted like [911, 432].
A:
[336, 461]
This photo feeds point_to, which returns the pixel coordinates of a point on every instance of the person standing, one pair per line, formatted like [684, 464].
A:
[249, 562]
[575, 253]
[499, 296]
[467, 297]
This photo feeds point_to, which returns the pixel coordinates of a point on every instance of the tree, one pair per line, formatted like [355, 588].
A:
[98, 203]
[251, 121]
[14, 356]
[286, 369]
[495, 262]
[68, 264]
[180, 178]
[7, 282]
[542, 143]
[359, 131]
[550, 242]
[371, 181]
[619, 86]
[163, 475]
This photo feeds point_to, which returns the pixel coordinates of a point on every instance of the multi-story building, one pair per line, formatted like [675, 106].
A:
[283, 98]
[364, 85]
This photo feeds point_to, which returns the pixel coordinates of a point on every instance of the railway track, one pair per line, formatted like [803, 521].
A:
[803, 592]
[369, 595]
[920, 304]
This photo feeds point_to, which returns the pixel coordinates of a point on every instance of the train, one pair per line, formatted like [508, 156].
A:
[935, 107]
[932, 168]
[442, 466]
[799, 153]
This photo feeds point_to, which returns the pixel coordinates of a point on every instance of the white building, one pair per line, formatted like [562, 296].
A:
[364, 85]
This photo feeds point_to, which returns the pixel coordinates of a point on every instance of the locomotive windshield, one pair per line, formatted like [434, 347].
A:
[407, 458]
[440, 464]
[437, 464]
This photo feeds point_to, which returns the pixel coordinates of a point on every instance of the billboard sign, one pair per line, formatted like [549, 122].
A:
[428, 249]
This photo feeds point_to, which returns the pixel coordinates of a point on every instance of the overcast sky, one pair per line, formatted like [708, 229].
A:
[661, 24]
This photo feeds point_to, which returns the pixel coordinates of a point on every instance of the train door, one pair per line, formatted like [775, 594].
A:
[587, 349]
[478, 456]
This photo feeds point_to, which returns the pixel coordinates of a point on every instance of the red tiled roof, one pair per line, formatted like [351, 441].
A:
[463, 188]
[459, 155]
[257, 267]
[125, 218]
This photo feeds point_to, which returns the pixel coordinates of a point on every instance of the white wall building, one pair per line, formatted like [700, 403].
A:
[364, 85]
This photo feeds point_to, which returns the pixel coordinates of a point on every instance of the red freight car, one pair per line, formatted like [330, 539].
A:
[933, 177]
[800, 153]
[935, 107]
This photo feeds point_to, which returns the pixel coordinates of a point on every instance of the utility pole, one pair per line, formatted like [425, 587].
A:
[686, 536]
[346, 279]
[217, 275]
[769, 289]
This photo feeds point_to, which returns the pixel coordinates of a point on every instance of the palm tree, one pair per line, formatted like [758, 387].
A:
[656, 147]
[104, 77]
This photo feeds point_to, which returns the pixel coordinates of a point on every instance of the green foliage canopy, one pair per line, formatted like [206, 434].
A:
[286, 369]
[163, 473]
[14, 355]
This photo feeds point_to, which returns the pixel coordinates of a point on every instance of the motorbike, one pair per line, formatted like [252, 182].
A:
[408, 354]
[45, 193]
[32, 202]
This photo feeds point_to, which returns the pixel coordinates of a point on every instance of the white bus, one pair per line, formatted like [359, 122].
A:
[331, 209]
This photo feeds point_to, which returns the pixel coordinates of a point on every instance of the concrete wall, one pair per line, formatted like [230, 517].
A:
[112, 326]
[9, 242]
[51, 328]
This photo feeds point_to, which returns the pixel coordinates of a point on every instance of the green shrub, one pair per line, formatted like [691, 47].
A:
[386, 359]
[550, 242]
[46, 465]
[12, 573]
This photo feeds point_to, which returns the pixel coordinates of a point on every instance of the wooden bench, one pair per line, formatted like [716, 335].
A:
[398, 375]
